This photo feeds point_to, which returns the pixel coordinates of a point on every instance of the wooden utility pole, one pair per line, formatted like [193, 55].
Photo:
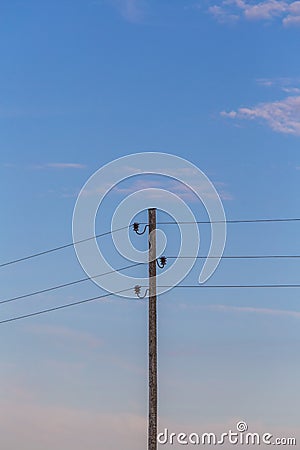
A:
[152, 424]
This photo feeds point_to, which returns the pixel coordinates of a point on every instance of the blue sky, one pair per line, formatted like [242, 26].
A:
[85, 82]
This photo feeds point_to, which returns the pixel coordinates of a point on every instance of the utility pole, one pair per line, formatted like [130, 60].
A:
[152, 424]
[152, 262]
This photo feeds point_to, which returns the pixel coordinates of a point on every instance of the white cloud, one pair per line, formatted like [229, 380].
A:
[286, 11]
[291, 20]
[264, 10]
[222, 15]
[282, 116]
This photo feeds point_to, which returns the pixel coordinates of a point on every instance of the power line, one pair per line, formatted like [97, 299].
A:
[44, 311]
[236, 257]
[231, 286]
[61, 247]
[71, 283]
[81, 280]
[231, 221]
[56, 308]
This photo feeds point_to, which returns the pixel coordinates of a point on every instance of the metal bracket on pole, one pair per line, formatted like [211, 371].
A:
[137, 291]
[136, 227]
[161, 262]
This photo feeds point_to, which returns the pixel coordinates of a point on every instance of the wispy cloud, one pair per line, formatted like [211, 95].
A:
[66, 166]
[131, 10]
[282, 116]
[58, 165]
[222, 15]
[285, 84]
[253, 310]
[135, 184]
[55, 165]
[9, 166]
[183, 191]
[288, 12]
[243, 309]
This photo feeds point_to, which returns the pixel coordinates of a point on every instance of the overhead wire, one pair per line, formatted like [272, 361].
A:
[71, 244]
[81, 280]
[236, 257]
[71, 283]
[291, 219]
[56, 308]
[52, 288]
[61, 247]
[233, 286]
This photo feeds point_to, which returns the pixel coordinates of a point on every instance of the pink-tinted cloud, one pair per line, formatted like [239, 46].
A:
[67, 335]
[35, 426]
